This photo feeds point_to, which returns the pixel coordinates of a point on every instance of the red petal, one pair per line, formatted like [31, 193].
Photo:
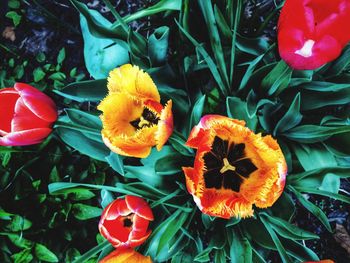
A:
[138, 242]
[322, 22]
[24, 119]
[27, 137]
[8, 98]
[39, 103]
[140, 226]
[139, 206]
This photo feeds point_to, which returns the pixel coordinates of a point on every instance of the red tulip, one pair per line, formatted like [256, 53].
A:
[124, 222]
[26, 115]
[313, 32]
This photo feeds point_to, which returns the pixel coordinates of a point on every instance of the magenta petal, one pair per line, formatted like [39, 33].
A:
[40, 104]
[27, 137]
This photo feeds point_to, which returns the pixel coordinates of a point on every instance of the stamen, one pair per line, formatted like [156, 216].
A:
[227, 166]
[306, 50]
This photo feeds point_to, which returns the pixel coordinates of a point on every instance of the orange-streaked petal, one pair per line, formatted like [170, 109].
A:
[134, 81]
[126, 256]
[321, 261]
[165, 125]
[234, 168]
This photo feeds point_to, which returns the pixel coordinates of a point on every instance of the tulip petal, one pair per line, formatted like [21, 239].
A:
[139, 206]
[134, 81]
[24, 119]
[165, 126]
[39, 103]
[127, 255]
[27, 137]
[8, 98]
[137, 242]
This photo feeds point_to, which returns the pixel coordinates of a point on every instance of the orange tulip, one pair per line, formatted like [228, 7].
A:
[234, 168]
[126, 256]
[133, 119]
[321, 261]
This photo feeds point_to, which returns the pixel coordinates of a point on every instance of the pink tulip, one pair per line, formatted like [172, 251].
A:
[26, 115]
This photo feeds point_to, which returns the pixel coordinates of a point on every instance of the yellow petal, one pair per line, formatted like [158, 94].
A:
[134, 81]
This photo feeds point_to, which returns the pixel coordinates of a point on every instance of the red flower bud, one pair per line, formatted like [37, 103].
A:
[124, 222]
[26, 115]
[313, 32]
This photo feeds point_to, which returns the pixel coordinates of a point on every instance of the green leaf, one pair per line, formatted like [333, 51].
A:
[249, 72]
[84, 119]
[164, 232]
[237, 109]
[38, 74]
[61, 56]
[291, 118]
[240, 248]
[280, 248]
[90, 90]
[85, 212]
[158, 45]
[178, 141]
[318, 94]
[314, 133]
[316, 191]
[116, 162]
[212, 66]
[313, 156]
[83, 144]
[58, 76]
[82, 194]
[16, 18]
[44, 254]
[313, 209]
[278, 79]
[14, 4]
[18, 223]
[215, 41]
[197, 112]
[20, 241]
[92, 252]
[23, 256]
[106, 198]
[101, 54]
[287, 230]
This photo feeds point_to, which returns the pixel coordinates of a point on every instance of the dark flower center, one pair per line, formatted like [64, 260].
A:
[147, 119]
[127, 222]
[226, 165]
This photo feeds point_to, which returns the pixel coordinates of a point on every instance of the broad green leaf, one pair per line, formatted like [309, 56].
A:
[291, 118]
[240, 248]
[158, 45]
[237, 109]
[101, 54]
[90, 90]
[314, 133]
[24, 256]
[116, 162]
[85, 212]
[83, 144]
[106, 198]
[278, 79]
[197, 112]
[19, 223]
[178, 141]
[85, 119]
[44, 254]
